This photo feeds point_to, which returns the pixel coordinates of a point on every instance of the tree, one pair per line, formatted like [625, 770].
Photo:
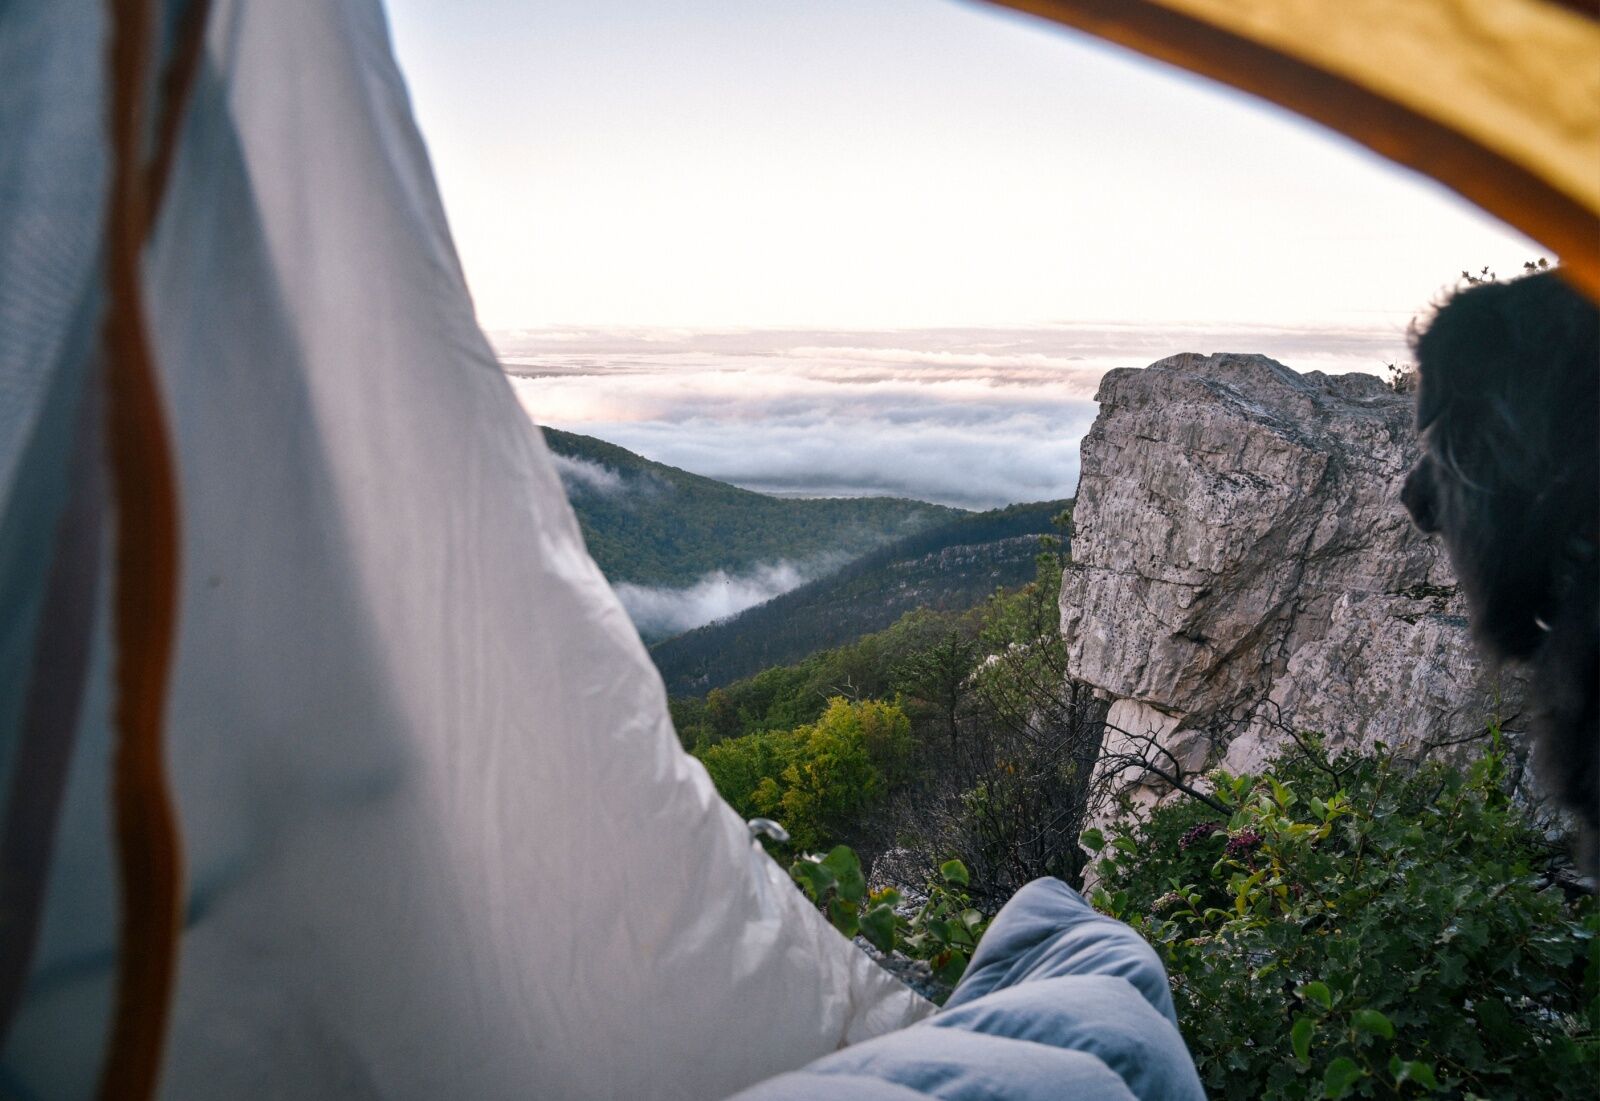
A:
[1010, 793]
[818, 780]
[940, 674]
[839, 768]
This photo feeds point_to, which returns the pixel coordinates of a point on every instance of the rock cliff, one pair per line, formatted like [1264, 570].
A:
[1242, 563]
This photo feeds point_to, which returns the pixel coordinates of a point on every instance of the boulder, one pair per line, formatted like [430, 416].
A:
[1242, 566]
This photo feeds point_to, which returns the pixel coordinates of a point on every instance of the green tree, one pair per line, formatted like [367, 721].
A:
[842, 765]
[1010, 794]
[821, 779]
[940, 674]
[722, 715]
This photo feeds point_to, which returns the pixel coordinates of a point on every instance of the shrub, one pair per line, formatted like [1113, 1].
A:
[943, 929]
[1365, 927]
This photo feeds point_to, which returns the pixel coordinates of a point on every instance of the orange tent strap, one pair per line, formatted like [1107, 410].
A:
[145, 598]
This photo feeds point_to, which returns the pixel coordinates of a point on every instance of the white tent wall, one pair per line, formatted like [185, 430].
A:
[441, 838]
[52, 197]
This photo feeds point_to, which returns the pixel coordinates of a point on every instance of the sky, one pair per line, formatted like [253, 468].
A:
[887, 247]
[861, 164]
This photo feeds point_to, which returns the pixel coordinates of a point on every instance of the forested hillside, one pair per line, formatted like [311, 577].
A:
[882, 742]
[951, 567]
[652, 524]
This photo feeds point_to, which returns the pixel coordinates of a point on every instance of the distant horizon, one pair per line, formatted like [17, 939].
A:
[1390, 323]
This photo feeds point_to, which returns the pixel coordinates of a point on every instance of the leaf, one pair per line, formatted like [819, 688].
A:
[846, 869]
[1318, 992]
[1300, 1038]
[955, 872]
[1125, 844]
[843, 916]
[1370, 1020]
[1092, 839]
[1341, 1074]
[811, 875]
[886, 896]
[953, 967]
[1493, 1016]
[1282, 795]
[877, 925]
[1420, 1073]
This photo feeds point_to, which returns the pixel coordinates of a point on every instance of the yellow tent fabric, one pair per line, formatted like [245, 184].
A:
[1499, 99]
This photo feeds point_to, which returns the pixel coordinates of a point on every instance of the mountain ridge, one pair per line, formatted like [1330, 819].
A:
[647, 523]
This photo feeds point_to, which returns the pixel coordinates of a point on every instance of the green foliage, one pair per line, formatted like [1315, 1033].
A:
[1357, 927]
[944, 929]
[658, 525]
[819, 779]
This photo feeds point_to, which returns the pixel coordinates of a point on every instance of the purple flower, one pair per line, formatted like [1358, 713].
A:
[1196, 834]
[1243, 843]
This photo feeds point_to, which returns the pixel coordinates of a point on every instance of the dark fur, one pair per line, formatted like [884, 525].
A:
[1509, 411]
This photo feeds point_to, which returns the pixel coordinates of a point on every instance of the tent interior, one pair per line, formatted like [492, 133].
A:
[330, 762]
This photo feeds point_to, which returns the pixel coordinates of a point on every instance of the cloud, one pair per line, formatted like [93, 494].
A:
[662, 612]
[970, 417]
[578, 475]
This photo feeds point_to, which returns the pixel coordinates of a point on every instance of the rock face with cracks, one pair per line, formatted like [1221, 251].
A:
[1242, 564]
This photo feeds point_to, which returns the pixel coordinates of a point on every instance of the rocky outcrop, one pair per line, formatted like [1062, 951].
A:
[1242, 563]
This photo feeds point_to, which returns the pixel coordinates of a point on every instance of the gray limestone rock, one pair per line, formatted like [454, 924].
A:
[1242, 562]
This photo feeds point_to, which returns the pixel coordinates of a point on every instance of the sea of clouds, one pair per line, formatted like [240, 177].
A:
[975, 418]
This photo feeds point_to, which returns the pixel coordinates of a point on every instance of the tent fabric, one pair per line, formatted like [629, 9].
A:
[1059, 1001]
[1499, 99]
[441, 839]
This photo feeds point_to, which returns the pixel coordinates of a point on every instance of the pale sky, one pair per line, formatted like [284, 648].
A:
[894, 163]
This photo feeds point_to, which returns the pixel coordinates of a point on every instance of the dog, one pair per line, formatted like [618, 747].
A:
[1508, 411]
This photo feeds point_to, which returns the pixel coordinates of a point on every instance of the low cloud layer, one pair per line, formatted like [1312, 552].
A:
[580, 475]
[662, 612]
[975, 418]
